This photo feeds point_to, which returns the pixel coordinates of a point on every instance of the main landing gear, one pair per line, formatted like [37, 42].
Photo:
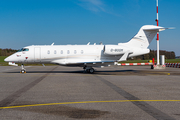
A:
[22, 69]
[89, 69]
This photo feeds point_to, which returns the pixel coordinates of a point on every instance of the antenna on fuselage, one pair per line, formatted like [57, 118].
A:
[52, 44]
[101, 43]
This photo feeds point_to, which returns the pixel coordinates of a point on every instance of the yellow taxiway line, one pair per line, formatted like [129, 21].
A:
[67, 103]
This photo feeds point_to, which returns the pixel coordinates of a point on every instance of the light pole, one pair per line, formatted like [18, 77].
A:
[157, 20]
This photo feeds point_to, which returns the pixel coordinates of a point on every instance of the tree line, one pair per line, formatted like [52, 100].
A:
[153, 54]
[7, 52]
[149, 56]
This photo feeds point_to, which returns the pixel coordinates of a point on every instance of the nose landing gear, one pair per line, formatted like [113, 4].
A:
[22, 69]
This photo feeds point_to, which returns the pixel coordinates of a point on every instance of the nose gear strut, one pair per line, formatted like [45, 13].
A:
[22, 69]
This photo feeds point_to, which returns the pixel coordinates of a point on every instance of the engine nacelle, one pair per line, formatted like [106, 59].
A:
[113, 50]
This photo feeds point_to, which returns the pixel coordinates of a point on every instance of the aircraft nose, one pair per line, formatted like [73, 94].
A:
[7, 59]
[11, 58]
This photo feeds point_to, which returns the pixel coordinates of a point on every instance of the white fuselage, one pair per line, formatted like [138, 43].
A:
[73, 54]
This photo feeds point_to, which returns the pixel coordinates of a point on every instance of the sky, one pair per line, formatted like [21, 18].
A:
[42, 22]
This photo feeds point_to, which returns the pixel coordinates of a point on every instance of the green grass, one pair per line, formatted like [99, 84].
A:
[2, 63]
[2, 58]
[172, 61]
[135, 61]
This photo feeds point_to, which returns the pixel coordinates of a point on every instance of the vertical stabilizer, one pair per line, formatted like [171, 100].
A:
[145, 35]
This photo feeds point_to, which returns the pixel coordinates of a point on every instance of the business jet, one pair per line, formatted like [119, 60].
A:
[87, 56]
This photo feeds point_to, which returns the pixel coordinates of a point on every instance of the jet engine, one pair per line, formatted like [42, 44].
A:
[113, 50]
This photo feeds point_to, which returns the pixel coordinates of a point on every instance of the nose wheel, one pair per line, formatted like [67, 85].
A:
[22, 69]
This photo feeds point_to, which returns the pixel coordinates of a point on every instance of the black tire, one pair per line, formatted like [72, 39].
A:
[91, 70]
[23, 71]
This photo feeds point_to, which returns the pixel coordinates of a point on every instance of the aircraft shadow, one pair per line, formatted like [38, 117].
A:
[106, 72]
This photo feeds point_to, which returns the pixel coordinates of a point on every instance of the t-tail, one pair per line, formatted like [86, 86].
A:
[145, 35]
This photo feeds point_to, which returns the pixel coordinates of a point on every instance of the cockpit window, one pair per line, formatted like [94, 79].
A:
[23, 49]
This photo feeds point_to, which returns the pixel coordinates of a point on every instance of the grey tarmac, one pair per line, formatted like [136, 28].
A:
[117, 92]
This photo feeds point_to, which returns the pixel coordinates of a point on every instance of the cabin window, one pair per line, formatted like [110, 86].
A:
[61, 51]
[55, 52]
[68, 52]
[75, 51]
[48, 52]
[82, 51]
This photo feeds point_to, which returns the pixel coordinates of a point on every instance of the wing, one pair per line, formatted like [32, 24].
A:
[82, 63]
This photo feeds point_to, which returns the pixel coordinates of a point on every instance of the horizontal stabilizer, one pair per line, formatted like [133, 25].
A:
[158, 28]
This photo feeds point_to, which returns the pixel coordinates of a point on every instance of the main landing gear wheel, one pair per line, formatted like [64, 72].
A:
[91, 70]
